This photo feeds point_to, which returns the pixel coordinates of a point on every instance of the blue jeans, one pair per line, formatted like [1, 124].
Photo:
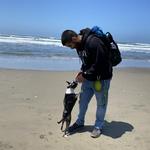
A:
[87, 91]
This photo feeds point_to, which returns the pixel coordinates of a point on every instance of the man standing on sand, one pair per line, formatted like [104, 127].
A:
[95, 75]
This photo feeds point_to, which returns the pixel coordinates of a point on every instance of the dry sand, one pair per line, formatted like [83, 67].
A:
[31, 105]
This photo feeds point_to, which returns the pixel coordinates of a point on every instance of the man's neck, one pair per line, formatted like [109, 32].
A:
[79, 45]
[80, 37]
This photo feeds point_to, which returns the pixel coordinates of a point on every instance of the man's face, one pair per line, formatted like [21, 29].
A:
[75, 43]
[71, 45]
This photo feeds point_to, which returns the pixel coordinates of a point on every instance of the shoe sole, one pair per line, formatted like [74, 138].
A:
[95, 136]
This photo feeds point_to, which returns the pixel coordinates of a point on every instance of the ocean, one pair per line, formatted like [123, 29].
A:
[42, 53]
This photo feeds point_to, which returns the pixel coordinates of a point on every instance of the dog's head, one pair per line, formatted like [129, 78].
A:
[72, 84]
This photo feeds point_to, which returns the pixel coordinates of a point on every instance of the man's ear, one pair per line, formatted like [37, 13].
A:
[74, 39]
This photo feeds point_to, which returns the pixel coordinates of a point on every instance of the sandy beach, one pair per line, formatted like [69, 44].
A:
[31, 104]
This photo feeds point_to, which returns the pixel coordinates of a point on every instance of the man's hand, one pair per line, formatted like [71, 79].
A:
[79, 78]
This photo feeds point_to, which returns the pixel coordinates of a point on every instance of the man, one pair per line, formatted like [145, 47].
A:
[95, 75]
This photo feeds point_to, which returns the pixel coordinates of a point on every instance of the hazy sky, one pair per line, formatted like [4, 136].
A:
[127, 20]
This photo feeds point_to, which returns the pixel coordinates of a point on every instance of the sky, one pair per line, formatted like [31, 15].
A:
[127, 20]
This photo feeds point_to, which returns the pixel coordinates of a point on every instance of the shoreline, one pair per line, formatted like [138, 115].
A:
[38, 70]
[59, 64]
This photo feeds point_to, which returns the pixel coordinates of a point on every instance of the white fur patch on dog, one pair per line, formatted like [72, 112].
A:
[69, 91]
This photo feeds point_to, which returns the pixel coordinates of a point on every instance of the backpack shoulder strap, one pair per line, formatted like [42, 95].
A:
[91, 36]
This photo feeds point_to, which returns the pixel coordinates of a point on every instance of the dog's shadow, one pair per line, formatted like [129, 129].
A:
[114, 129]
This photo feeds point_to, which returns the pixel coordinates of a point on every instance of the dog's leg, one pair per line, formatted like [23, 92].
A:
[62, 125]
[68, 121]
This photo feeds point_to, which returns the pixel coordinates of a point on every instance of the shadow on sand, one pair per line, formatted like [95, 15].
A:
[114, 129]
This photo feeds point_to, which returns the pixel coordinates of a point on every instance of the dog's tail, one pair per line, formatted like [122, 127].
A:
[59, 121]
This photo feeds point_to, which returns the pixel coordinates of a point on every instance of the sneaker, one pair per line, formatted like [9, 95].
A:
[74, 127]
[96, 133]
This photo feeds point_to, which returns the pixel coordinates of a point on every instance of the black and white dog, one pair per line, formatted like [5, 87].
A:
[68, 102]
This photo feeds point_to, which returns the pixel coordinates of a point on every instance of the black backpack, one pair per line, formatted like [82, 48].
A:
[107, 39]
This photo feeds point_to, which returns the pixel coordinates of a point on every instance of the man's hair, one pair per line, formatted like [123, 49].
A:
[67, 36]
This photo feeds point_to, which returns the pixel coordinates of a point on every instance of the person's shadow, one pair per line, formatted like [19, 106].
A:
[114, 129]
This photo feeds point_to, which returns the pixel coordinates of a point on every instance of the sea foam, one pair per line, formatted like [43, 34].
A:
[30, 39]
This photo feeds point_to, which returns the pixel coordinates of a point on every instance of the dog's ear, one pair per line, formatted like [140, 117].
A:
[68, 82]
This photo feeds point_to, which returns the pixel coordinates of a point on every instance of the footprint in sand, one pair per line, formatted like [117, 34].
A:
[50, 133]
[28, 99]
[49, 117]
[5, 146]
[42, 136]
